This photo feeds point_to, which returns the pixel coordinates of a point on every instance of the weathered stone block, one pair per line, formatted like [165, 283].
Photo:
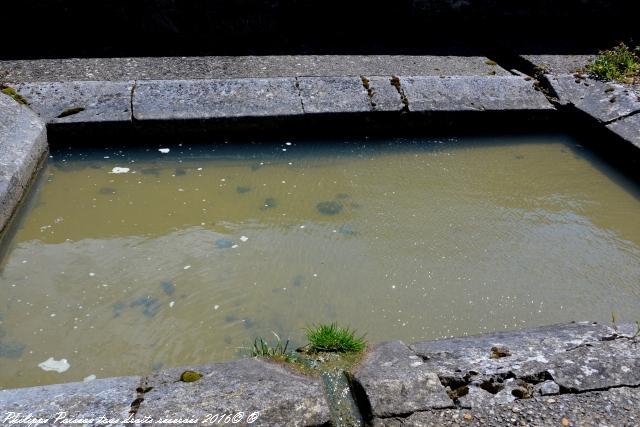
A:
[383, 95]
[396, 381]
[278, 395]
[79, 101]
[627, 128]
[333, 95]
[472, 93]
[603, 101]
[23, 142]
[213, 99]
[110, 398]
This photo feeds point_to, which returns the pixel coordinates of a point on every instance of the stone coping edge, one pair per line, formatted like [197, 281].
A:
[480, 375]
[23, 144]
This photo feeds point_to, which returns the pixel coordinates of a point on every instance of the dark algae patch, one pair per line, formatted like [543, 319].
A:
[329, 207]
[168, 288]
[223, 243]
[269, 203]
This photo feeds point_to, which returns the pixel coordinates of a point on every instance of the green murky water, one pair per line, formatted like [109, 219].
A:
[191, 254]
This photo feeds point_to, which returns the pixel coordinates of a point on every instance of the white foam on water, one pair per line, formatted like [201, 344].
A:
[118, 169]
[164, 150]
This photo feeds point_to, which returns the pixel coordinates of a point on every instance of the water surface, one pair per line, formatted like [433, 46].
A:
[191, 254]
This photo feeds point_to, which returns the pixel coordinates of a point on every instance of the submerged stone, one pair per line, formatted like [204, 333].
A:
[223, 243]
[329, 207]
[297, 281]
[168, 288]
[151, 171]
[269, 203]
[11, 350]
[242, 189]
[143, 301]
[346, 230]
[151, 310]
[118, 308]
[180, 172]
[107, 190]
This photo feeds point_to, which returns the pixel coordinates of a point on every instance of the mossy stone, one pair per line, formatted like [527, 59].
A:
[190, 376]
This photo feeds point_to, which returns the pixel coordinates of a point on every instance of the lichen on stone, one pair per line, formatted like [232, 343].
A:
[7, 90]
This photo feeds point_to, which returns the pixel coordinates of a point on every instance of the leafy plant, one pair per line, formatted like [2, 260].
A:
[262, 348]
[620, 63]
[335, 339]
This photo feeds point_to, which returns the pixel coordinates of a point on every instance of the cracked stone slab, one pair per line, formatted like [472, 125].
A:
[396, 382]
[94, 101]
[604, 101]
[333, 95]
[281, 396]
[110, 397]
[383, 95]
[598, 365]
[559, 64]
[212, 99]
[575, 356]
[627, 128]
[615, 407]
[531, 349]
[472, 93]
[23, 142]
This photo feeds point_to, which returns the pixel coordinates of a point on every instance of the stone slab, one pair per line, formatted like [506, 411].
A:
[577, 357]
[101, 101]
[234, 67]
[627, 128]
[23, 142]
[383, 95]
[333, 95]
[280, 396]
[604, 101]
[461, 93]
[110, 398]
[214, 99]
[615, 407]
[559, 64]
[396, 382]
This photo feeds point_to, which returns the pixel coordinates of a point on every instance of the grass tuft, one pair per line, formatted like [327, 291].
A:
[335, 339]
[262, 348]
[620, 63]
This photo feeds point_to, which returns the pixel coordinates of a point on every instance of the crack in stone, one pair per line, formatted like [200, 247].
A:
[297, 85]
[140, 392]
[395, 82]
[133, 90]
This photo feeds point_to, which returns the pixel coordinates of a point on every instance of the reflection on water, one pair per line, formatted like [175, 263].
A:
[191, 254]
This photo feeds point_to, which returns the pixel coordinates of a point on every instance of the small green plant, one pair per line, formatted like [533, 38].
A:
[620, 63]
[335, 339]
[262, 348]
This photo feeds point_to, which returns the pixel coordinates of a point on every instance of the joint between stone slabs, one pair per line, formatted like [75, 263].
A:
[299, 92]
